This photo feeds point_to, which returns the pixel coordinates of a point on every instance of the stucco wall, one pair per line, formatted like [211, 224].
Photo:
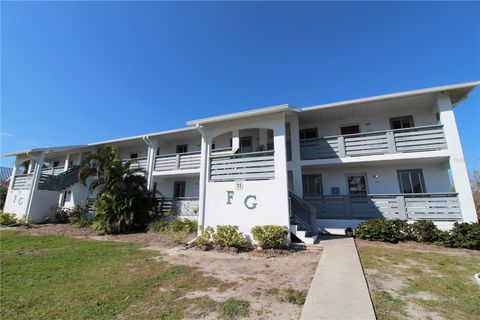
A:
[165, 186]
[44, 204]
[435, 175]
[16, 202]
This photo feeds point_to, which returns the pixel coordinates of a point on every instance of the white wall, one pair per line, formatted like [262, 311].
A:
[165, 186]
[372, 122]
[44, 203]
[171, 147]
[435, 175]
[16, 202]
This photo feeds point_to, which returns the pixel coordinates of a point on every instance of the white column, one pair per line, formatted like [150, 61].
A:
[30, 165]
[67, 162]
[151, 157]
[35, 181]
[204, 172]
[295, 163]
[235, 140]
[281, 166]
[12, 177]
[457, 162]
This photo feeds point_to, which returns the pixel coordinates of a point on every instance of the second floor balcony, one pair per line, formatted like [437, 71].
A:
[415, 139]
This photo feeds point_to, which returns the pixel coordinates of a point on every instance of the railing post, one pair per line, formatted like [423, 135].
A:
[341, 147]
[402, 211]
[391, 142]
[177, 161]
[347, 207]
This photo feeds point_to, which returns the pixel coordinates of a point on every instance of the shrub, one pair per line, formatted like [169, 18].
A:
[184, 226]
[206, 237]
[270, 236]
[228, 236]
[157, 226]
[465, 235]
[384, 230]
[190, 226]
[426, 231]
[7, 218]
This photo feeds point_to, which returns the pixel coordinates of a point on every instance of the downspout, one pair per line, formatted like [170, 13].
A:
[204, 173]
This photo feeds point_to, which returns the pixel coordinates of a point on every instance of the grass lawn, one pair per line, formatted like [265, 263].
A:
[52, 277]
[421, 281]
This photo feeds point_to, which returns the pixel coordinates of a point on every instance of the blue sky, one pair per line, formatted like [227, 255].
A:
[80, 72]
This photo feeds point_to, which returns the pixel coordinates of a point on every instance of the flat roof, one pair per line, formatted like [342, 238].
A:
[244, 114]
[466, 85]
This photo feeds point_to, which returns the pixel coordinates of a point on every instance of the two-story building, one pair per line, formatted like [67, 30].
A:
[316, 169]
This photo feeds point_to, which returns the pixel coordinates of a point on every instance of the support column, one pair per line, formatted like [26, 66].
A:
[151, 158]
[35, 181]
[295, 163]
[204, 172]
[458, 168]
[235, 140]
[67, 162]
[12, 177]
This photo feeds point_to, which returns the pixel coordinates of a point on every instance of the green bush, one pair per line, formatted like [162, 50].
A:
[426, 231]
[295, 296]
[206, 237]
[185, 226]
[7, 218]
[228, 236]
[270, 236]
[465, 235]
[384, 230]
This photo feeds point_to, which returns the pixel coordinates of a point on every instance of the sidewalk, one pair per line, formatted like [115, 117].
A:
[339, 289]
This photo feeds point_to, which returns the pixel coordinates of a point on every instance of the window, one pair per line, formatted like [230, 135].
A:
[357, 184]
[133, 155]
[401, 122]
[312, 185]
[179, 189]
[246, 144]
[158, 151]
[350, 129]
[411, 181]
[56, 163]
[310, 133]
[182, 148]
[213, 146]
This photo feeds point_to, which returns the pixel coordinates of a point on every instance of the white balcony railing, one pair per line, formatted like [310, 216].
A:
[374, 143]
[185, 206]
[184, 161]
[419, 206]
[139, 163]
[53, 170]
[249, 166]
[22, 181]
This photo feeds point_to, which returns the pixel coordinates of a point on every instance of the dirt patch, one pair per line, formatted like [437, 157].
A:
[259, 277]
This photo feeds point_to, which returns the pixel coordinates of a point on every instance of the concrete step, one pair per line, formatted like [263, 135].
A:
[302, 234]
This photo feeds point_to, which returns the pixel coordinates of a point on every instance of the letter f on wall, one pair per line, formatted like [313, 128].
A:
[230, 197]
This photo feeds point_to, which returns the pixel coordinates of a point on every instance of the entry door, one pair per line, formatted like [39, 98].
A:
[350, 129]
[179, 189]
[246, 144]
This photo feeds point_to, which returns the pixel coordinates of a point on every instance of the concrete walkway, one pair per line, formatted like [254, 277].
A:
[339, 289]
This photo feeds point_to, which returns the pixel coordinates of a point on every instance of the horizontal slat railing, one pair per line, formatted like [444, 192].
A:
[139, 163]
[22, 182]
[184, 206]
[422, 206]
[249, 166]
[53, 171]
[414, 139]
[176, 161]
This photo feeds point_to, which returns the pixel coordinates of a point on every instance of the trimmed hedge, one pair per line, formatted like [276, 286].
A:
[462, 235]
[270, 236]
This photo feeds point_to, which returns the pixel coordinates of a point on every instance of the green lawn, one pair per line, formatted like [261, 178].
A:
[406, 283]
[52, 277]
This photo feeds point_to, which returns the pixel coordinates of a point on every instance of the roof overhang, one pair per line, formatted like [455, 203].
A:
[40, 150]
[457, 92]
[243, 114]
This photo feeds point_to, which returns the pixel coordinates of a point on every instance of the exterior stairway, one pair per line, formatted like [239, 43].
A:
[59, 182]
[302, 219]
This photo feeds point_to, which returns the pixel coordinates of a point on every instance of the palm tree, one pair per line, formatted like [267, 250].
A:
[123, 199]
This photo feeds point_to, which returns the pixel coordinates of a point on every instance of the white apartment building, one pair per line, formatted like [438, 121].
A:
[317, 169]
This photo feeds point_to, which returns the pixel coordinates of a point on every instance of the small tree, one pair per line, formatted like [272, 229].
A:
[123, 200]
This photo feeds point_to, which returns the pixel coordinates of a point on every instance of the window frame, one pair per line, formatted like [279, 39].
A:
[306, 184]
[302, 132]
[240, 144]
[421, 176]
[409, 117]
[350, 125]
[180, 146]
[354, 174]
[134, 155]
[183, 188]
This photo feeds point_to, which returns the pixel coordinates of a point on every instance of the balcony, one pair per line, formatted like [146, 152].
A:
[185, 206]
[54, 171]
[139, 163]
[426, 138]
[248, 166]
[22, 181]
[420, 206]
